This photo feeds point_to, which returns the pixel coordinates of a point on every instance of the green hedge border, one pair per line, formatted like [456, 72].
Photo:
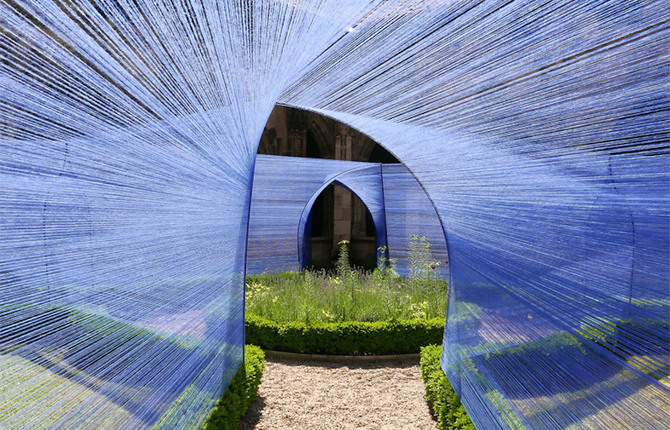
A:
[240, 394]
[448, 410]
[347, 338]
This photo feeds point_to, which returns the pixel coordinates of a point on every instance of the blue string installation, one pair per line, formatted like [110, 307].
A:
[280, 209]
[411, 216]
[128, 132]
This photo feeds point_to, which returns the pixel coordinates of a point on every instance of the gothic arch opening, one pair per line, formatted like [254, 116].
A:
[338, 214]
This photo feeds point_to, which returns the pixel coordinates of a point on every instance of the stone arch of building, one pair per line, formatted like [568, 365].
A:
[266, 144]
[323, 135]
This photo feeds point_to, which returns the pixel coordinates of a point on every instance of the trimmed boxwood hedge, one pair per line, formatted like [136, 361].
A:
[347, 338]
[240, 393]
[447, 408]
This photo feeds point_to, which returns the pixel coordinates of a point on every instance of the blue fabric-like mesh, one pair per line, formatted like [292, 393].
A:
[409, 212]
[128, 131]
[280, 210]
[558, 321]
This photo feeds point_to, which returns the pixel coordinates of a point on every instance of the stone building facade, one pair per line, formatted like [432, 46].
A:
[337, 214]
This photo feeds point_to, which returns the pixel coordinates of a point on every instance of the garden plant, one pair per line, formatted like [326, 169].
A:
[349, 310]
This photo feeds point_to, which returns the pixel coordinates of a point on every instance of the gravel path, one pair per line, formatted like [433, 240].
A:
[310, 395]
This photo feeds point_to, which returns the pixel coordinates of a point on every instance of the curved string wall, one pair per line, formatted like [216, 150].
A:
[280, 209]
[554, 319]
[540, 133]
[409, 212]
[128, 131]
[367, 184]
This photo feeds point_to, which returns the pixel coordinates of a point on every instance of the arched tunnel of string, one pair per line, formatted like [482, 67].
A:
[126, 175]
[357, 259]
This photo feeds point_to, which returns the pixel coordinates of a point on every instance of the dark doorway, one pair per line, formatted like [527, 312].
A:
[338, 214]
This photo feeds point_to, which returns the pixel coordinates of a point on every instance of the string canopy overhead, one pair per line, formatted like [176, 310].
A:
[128, 134]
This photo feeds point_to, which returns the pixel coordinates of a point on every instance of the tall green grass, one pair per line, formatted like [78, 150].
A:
[348, 294]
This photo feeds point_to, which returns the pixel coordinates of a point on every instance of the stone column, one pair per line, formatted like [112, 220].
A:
[297, 142]
[342, 196]
[343, 141]
[358, 221]
[297, 134]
